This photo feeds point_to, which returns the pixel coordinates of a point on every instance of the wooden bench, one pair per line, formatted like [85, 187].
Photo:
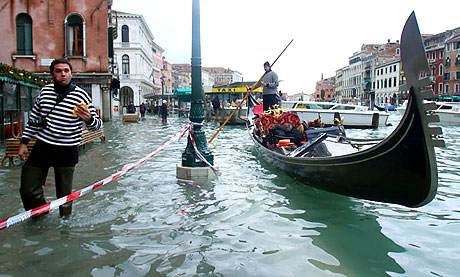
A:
[88, 136]
[12, 144]
[131, 117]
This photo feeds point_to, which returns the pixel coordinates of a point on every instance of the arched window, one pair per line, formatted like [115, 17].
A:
[23, 34]
[124, 33]
[441, 69]
[125, 64]
[74, 35]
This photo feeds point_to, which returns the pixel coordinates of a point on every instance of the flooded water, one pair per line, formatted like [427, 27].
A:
[252, 221]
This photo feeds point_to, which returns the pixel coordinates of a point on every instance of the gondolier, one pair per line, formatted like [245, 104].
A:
[269, 85]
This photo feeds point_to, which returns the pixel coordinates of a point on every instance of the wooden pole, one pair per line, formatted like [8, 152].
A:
[247, 95]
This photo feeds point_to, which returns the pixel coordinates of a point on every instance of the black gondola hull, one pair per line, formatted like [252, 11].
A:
[397, 170]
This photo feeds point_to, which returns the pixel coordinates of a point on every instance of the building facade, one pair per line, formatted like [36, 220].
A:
[36, 32]
[325, 90]
[134, 51]
[223, 76]
[386, 84]
[452, 65]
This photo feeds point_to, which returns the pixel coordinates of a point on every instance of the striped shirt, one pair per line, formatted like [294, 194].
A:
[63, 127]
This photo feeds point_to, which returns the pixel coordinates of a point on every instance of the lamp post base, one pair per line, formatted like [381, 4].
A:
[197, 174]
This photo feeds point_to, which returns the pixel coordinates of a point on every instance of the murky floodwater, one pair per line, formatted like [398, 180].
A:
[252, 221]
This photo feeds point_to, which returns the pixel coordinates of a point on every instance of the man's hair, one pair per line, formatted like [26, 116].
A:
[59, 61]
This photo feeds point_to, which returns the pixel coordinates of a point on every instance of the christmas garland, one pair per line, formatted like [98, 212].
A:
[23, 75]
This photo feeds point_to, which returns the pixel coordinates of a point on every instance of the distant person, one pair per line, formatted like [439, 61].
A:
[215, 104]
[269, 86]
[131, 108]
[55, 121]
[142, 109]
[164, 112]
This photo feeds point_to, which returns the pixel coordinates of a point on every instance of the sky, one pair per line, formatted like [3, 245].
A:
[243, 34]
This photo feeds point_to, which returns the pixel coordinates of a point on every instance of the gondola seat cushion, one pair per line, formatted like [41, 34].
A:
[268, 120]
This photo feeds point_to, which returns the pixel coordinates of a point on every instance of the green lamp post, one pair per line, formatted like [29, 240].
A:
[189, 156]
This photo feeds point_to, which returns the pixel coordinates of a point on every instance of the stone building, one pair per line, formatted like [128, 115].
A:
[386, 84]
[452, 65]
[137, 59]
[36, 32]
[324, 90]
[224, 76]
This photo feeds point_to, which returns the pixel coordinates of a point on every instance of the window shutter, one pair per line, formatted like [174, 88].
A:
[28, 38]
[20, 41]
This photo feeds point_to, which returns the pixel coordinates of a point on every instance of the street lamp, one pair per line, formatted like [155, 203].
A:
[162, 78]
[189, 157]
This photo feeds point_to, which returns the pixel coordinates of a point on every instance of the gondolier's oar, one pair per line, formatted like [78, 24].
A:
[247, 94]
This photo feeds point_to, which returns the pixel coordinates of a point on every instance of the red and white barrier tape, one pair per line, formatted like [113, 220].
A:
[58, 202]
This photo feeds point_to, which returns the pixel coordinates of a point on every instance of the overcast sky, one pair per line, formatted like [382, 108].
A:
[243, 34]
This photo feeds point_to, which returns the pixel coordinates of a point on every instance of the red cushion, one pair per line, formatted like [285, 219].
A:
[269, 120]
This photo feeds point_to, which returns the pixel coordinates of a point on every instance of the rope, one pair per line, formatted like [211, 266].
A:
[200, 156]
[58, 202]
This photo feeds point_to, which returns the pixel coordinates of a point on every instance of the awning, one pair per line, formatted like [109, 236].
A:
[183, 91]
[183, 94]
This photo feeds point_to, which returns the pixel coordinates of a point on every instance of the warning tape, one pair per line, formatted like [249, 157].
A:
[58, 202]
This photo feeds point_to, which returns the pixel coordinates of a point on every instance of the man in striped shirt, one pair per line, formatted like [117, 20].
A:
[56, 121]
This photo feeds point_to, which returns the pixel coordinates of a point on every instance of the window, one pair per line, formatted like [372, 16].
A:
[457, 88]
[394, 81]
[440, 87]
[441, 69]
[124, 33]
[441, 54]
[23, 34]
[125, 64]
[448, 61]
[457, 75]
[447, 88]
[447, 76]
[74, 36]
[457, 60]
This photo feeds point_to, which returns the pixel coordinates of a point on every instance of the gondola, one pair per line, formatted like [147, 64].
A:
[361, 168]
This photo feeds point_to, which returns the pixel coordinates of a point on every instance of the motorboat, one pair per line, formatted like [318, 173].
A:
[355, 116]
[448, 112]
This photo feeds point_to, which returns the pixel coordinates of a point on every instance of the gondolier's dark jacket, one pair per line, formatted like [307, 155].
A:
[271, 83]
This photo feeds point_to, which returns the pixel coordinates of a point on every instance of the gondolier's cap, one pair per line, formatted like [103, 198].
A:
[267, 64]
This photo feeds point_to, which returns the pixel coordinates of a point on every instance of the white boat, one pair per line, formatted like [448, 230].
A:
[448, 112]
[354, 116]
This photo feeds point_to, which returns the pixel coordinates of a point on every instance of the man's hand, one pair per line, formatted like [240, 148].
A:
[23, 152]
[82, 112]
